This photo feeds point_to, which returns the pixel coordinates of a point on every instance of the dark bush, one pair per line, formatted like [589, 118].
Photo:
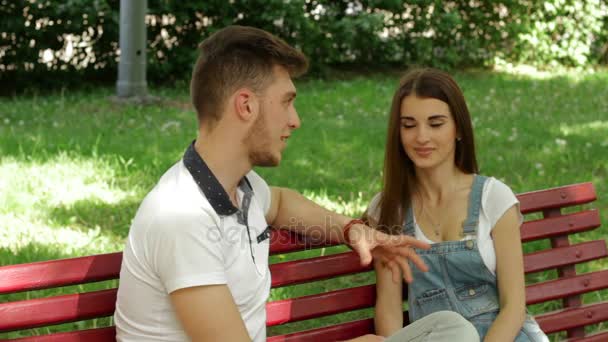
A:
[62, 43]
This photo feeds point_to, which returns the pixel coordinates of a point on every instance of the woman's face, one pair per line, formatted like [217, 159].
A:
[428, 132]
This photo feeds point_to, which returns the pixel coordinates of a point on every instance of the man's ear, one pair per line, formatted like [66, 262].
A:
[246, 104]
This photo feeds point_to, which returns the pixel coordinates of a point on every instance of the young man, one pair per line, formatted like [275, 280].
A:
[195, 266]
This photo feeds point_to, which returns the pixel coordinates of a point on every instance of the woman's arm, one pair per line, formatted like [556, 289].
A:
[388, 316]
[510, 277]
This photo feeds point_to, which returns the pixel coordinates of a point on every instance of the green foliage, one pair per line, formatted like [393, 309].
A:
[81, 37]
[562, 32]
[45, 43]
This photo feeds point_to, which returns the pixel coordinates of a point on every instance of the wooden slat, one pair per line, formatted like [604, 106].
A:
[573, 317]
[560, 288]
[54, 310]
[570, 255]
[568, 271]
[560, 225]
[339, 332]
[284, 241]
[559, 197]
[301, 308]
[306, 270]
[91, 335]
[46, 274]
[599, 337]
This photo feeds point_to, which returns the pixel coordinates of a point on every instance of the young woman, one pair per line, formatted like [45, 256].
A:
[431, 190]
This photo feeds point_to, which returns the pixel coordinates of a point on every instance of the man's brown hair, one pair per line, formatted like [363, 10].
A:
[235, 57]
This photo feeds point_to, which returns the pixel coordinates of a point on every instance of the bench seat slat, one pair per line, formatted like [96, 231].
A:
[570, 255]
[559, 197]
[564, 287]
[89, 335]
[339, 332]
[55, 310]
[306, 270]
[574, 317]
[301, 308]
[63, 272]
[560, 225]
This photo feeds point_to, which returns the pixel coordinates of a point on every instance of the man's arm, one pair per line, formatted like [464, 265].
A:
[208, 313]
[290, 210]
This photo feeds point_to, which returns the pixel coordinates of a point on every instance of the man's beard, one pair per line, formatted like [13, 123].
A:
[258, 141]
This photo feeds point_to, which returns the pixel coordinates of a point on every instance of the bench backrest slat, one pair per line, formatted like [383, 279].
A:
[560, 197]
[34, 313]
[307, 270]
[599, 337]
[560, 225]
[560, 288]
[283, 241]
[89, 335]
[569, 255]
[338, 332]
[54, 273]
[318, 305]
[573, 318]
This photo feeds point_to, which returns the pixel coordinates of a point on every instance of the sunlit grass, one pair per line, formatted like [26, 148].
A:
[584, 128]
[59, 181]
[40, 200]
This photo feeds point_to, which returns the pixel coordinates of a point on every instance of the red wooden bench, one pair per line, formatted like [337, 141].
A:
[565, 290]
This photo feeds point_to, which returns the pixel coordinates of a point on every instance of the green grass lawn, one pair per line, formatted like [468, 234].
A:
[74, 166]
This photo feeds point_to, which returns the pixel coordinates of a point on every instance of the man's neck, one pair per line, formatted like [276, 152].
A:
[225, 158]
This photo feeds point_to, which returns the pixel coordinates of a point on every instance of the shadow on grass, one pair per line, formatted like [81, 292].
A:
[30, 253]
[111, 219]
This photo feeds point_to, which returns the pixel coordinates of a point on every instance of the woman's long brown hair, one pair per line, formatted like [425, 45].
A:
[399, 179]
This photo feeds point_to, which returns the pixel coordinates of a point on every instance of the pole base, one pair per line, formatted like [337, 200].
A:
[142, 100]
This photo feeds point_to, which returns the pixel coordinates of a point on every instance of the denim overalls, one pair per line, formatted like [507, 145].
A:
[458, 280]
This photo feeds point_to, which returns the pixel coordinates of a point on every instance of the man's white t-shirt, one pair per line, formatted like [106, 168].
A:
[178, 240]
[496, 199]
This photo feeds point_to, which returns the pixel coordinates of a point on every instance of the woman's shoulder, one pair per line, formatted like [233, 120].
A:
[495, 187]
[375, 201]
[373, 208]
[497, 197]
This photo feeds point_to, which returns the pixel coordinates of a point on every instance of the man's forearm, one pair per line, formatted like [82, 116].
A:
[297, 213]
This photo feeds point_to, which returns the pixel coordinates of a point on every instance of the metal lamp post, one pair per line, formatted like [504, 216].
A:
[132, 66]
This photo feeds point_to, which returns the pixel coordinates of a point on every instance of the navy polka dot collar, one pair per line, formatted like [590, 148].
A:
[211, 187]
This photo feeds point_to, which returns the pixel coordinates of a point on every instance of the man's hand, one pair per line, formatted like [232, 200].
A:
[392, 250]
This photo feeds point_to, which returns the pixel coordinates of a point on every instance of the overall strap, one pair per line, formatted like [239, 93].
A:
[469, 226]
[408, 227]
